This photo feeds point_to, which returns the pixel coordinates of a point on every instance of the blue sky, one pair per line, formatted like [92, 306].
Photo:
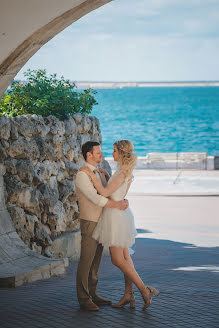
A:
[137, 40]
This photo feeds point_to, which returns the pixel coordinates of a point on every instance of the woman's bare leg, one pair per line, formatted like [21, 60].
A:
[128, 283]
[118, 259]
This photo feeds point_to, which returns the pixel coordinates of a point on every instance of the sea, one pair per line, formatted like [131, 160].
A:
[160, 119]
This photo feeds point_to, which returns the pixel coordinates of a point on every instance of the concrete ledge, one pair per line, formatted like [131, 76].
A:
[12, 275]
[20, 265]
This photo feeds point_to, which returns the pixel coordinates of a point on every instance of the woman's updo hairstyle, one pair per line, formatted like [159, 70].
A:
[127, 159]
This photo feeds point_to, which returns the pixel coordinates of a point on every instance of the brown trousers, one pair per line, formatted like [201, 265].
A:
[91, 253]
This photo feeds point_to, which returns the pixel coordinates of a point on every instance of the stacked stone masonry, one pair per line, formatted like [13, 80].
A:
[42, 156]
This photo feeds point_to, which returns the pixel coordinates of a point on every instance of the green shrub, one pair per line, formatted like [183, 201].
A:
[45, 96]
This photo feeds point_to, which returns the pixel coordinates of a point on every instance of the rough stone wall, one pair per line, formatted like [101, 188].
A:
[42, 156]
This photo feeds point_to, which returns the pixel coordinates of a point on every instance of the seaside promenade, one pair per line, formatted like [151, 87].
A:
[177, 251]
[177, 205]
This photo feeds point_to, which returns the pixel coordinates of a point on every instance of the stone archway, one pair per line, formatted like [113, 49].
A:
[25, 27]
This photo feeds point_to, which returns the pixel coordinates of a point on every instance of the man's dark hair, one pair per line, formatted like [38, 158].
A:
[88, 147]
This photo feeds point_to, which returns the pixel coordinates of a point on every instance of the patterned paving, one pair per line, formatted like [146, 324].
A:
[187, 299]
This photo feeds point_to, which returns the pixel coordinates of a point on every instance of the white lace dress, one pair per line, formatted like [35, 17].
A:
[115, 227]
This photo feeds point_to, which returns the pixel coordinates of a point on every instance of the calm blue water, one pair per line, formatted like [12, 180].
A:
[167, 119]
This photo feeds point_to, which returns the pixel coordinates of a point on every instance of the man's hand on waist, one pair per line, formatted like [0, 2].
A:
[127, 201]
[120, 205]
[123, 204]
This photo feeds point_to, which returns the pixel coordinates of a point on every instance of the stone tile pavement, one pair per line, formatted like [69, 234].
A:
[187, 298]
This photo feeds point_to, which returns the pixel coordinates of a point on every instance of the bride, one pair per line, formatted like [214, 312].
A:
[116, 229]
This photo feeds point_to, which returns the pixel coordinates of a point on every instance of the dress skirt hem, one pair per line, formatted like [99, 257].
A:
[115, 228]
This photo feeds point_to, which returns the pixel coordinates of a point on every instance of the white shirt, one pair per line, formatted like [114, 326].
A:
[85, 185]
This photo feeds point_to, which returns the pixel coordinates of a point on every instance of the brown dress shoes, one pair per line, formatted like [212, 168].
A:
[89, 306]
[100, 301]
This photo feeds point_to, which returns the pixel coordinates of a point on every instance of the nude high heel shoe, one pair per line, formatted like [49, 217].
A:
[130, 301]
[152, 291]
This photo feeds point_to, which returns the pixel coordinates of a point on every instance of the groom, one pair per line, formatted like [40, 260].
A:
[91, 205]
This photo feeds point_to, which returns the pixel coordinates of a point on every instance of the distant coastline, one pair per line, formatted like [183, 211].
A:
[133, 84]
[116, 85]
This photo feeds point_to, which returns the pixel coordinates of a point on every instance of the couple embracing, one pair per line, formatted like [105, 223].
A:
[106, 220]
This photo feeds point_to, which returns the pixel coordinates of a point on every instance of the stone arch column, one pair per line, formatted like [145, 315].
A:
[16, 53]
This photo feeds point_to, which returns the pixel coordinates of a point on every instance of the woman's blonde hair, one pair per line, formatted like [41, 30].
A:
[127, 159]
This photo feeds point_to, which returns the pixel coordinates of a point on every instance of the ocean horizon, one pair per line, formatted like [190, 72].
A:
[160, 119]
[142, 84]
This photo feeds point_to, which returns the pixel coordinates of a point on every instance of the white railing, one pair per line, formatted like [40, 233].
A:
[175, 161]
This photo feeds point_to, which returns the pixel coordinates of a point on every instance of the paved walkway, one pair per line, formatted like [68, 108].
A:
[186, 275]
[192, 220]
[189, 296]
[175, 182]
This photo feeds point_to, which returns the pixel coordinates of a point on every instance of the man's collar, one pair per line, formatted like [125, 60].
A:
[91, 167]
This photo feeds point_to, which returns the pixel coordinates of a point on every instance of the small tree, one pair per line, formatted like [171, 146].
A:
[45, 96]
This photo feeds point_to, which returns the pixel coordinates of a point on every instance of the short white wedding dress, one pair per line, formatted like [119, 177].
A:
[115, 227]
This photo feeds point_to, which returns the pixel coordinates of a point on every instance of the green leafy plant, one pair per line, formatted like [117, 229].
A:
[42, 95]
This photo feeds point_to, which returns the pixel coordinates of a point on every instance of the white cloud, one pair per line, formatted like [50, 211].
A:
[101, 36]
[193, 26]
